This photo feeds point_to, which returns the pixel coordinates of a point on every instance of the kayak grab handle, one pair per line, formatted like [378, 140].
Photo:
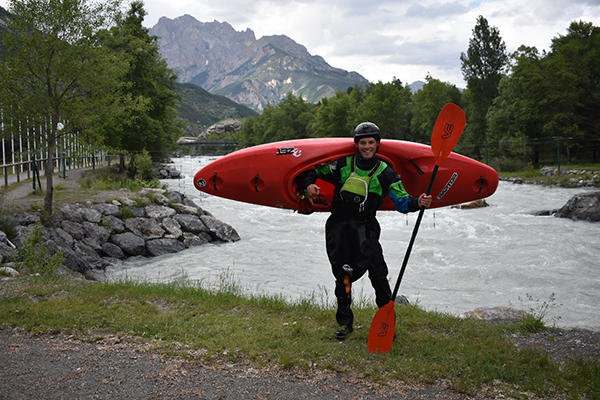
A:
[414, 164]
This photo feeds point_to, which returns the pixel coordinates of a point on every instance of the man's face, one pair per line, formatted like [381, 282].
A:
[367, 147]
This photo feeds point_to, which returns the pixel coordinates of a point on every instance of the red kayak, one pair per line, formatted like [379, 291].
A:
[265, 174]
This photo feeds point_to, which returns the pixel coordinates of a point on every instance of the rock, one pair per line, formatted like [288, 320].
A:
[74, 229]
[7, 253]
[220, 229]
[158, 247]
[96, 232]
[498, 314]
[190, 223]
[112, 250]
[229, 125]
[474, 204]
[113, 224]
[130, 243]
[584, 206]
[92, 236]
[91, 215]
[183, 209]
[159, 212]
[548, 170]
[166, 171]
[147, 228]
[107, 209]
[8, 271]
[191, 240]
[172, 227]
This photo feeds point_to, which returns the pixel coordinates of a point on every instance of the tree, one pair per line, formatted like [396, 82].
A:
[148, 117]
[427, 104]
[389, 106]
[573, 67]
[288, 120]
[55, 70]
[482, 66]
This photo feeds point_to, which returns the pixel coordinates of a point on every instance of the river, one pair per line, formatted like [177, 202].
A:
[499, 255]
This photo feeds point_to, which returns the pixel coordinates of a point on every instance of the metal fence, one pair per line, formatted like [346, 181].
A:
[23, 151]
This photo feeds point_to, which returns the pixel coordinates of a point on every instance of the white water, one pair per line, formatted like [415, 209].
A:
[462, 259]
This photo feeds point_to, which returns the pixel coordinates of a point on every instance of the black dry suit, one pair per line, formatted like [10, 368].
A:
[352, 231]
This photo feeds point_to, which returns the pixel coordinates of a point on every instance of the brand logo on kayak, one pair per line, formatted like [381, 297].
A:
[283, 151]
[448, 131]
[448, 186]
[201, 183]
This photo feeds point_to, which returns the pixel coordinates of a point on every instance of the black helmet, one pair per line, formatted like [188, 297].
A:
[366, 129]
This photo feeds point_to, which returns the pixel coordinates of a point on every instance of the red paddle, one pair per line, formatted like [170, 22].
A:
[446, 132]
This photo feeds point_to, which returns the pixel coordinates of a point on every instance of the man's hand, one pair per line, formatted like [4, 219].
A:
[424, 200]
[312, 192]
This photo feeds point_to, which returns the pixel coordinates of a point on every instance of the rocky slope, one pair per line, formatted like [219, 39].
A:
[252, 72]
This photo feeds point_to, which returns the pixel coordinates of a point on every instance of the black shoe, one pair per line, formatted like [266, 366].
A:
[342, 333]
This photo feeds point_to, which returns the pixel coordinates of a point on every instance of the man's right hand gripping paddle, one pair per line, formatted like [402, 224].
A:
[446, 132]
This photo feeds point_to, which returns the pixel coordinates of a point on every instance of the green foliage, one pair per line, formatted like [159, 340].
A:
[148, 116]
[144, 165]
[289, 120]
[35, 258]
[55, 71]
[482, 66]
[427, 104]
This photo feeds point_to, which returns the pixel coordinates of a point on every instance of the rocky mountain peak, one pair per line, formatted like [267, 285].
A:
[252, 72]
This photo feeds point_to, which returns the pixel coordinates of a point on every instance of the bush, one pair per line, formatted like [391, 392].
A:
[33, 257]
[143, 162]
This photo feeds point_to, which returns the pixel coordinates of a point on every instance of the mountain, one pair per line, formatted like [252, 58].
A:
[202, 109]
[416, 86]
[252, 72]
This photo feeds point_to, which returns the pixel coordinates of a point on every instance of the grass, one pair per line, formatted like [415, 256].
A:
[564, 180]
[222, 324]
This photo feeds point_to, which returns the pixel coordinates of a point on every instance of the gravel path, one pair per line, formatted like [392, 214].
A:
[60, 367]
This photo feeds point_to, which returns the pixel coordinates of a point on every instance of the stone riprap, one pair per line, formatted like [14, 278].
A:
[92, 236]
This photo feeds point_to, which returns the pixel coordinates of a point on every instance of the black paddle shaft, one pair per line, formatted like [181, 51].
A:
[414, 235]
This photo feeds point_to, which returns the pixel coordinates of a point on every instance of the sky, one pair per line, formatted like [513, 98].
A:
[387, 39]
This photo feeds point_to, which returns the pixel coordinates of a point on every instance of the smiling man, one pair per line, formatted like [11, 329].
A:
[361, 182]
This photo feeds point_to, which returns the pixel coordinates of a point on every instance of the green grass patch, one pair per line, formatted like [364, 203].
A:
[263, 330]
[109, 178]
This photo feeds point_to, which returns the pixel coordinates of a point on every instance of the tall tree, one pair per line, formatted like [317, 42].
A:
[573, 66]
[148, 117]
[483, 66]
[427, 104]
[55, 70]
[389, 106]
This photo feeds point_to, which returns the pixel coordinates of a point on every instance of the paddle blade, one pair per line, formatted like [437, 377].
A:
[447, 130]
[381, 333]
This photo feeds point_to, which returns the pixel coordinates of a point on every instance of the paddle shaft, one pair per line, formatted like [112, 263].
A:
[414, 235]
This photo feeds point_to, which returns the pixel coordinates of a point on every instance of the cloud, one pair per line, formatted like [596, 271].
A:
[437, 10]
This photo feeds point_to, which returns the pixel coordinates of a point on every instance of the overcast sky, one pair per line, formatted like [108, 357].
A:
[380, 39]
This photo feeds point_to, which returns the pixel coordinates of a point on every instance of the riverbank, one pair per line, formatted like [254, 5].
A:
[179, 331]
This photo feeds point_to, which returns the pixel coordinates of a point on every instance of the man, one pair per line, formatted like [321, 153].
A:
[352, 232]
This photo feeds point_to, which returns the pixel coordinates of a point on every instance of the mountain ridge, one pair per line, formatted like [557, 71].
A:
[253, 72]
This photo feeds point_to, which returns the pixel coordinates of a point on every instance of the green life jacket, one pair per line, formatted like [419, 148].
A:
[356, 188]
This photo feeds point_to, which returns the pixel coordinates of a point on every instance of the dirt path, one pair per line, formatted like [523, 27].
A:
[60, 367]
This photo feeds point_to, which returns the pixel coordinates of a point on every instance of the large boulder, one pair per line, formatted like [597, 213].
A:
[583, 206]
[130, 243]
[158, 247]
[219, 229]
